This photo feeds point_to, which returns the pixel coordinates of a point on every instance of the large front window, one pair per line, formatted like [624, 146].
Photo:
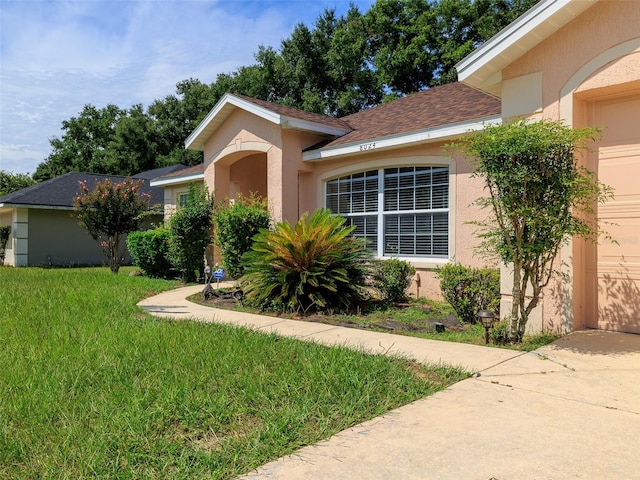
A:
[402, 211]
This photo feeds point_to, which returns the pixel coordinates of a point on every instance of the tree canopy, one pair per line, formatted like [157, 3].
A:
[10, 182]
[340, 65]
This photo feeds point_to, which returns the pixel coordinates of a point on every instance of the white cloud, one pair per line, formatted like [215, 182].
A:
[55, 57]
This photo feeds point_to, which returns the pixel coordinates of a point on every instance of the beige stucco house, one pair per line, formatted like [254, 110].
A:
[386, 171]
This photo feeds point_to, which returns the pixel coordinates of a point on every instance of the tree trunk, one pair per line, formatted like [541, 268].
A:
[517, 297]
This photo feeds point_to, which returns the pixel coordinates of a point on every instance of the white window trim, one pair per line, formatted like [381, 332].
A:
[411, 161]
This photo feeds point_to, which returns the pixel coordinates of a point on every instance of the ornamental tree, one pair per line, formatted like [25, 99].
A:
[539, 198]
[109, 212]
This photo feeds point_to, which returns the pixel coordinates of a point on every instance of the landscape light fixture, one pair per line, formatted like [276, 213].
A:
[486, 317]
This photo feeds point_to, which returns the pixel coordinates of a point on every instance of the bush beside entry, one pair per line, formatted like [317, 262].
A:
[391, 278]
[149, 250]
[190, 234]
[469, 290]
[235, 225]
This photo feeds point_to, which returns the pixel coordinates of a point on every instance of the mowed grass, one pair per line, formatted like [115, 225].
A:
[92, 387]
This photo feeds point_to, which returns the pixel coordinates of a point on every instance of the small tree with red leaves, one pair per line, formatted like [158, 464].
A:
[109, 212]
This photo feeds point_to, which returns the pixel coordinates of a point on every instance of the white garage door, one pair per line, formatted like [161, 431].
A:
[615, 266]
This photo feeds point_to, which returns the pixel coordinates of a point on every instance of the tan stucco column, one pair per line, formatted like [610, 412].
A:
[276, 185]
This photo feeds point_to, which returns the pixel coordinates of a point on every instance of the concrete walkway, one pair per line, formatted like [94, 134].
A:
[568, 410]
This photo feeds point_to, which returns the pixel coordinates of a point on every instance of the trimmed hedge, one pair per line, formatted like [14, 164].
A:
[470, 289]
[235, 226]
[391, 278]
[149, 251]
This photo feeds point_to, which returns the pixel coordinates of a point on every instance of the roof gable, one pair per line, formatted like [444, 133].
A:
[482, 69]
[287, 117]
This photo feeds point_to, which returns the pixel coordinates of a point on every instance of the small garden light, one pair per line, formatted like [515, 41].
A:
[486, 317]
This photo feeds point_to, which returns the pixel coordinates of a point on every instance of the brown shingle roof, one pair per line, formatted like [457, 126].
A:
[185, 172]
[295, 113]
[438, 106]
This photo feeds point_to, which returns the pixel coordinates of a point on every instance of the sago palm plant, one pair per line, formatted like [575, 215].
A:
[314, 265]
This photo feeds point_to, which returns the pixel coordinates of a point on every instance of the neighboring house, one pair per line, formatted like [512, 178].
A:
[43, 228]
[386, 169]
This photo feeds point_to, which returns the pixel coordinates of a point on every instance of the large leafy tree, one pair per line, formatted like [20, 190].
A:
[84, 143]
[109, 212]
[539, 198]
[10, 182]
[415, 44]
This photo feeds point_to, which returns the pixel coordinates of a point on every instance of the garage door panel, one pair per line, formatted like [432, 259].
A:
[619, 167]
[614, 271]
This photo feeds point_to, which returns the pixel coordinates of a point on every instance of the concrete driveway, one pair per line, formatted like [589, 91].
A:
[570, 410]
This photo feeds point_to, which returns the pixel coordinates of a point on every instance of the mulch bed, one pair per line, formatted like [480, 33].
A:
[228, 300]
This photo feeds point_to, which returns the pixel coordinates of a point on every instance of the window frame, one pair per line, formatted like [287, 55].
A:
[179, 202]
[380, 214]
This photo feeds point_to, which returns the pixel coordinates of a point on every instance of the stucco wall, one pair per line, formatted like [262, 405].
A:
[172, 194]
[464, 190]
[55, 238]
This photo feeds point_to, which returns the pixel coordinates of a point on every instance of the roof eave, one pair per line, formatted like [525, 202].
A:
[482, 69]
[165, 182]
[439, 133]
[42, 207]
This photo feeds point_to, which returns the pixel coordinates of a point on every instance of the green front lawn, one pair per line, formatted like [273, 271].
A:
[92, 387]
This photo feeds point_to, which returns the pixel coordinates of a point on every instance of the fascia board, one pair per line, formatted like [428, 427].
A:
[217, 108]
[307, 126]
[39, 207]
[176, 180]
[196, 140]
[383, 143]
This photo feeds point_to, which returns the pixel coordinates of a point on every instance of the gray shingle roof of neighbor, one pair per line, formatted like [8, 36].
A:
[60, 191]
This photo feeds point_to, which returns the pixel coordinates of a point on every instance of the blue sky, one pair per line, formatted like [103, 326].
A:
[57, 56]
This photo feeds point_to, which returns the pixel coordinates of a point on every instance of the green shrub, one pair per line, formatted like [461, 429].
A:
[190, 229]
[391, 278]
[315, 265]
[470, 289]
[149, 251]
[235, 226]
[499, 332]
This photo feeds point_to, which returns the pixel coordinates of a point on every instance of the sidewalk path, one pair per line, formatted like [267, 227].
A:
[568, 410]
